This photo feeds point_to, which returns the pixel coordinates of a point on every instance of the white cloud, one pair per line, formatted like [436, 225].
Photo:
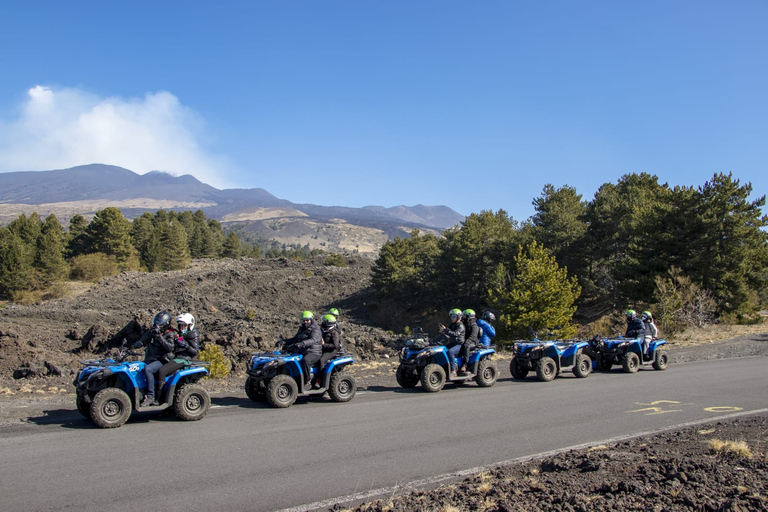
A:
[60, 128]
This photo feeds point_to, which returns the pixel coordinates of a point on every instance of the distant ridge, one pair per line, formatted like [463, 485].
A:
[87, 188]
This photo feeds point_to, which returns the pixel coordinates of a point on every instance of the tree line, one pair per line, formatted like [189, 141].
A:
[36, 252]
[691, 254]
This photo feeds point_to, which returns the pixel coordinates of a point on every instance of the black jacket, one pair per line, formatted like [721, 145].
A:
[634, 328]
[454, 334]
[308, 340]
[158, 346]
[331, 340]
[192, 340]
[472, 333]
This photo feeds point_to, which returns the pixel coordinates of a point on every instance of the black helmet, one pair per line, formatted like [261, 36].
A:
[488, 316]
[162, 319]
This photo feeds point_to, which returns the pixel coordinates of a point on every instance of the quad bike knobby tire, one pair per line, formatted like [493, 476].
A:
[191, 402]
[84, 405]
[255, 390]
[517, 370]
[630, 363]
[343, 387]
[406, 379]
[487, 373]
[110, 408]
[661, 359]
[546, 369]
[583, 366]
[282, 391]
[433, 378]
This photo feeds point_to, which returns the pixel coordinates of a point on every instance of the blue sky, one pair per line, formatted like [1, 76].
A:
[474, 105]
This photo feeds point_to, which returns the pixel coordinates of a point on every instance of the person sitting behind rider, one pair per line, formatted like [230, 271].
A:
[308, 341]
[454, 335]
[335, 312]
[159, 342]
[472, 333]
[488, 331]
[186, 347]
[331, 343]
[650, 331]
[634, 325]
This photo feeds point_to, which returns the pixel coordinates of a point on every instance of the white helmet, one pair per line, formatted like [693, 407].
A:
[188, 319]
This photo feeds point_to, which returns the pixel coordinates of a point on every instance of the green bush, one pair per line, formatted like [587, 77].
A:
[219, 363]
[336, 260]
[93, 267]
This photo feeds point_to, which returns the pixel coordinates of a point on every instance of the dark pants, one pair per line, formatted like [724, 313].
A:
[466, 348]
[327, 356]
[307, 362]
[149, 373]
[164, 371]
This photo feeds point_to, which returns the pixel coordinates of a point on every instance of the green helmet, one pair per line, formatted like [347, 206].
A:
[631, 313]
[328, 319]
[648, 315]
[307, 315]
[469, 313]
[455, 312]
[334, 312]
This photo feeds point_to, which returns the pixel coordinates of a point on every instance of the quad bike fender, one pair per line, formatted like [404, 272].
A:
[481, 354]
[190, 374]
[656, 344]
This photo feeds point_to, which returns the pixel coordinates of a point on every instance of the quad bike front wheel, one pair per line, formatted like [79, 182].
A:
[487, 373]
[583, 366]
[433, 378]
[282, 391]
[191, 402]
[110, 408]
[518, 370]
[630, 363]
[661, 359]
[546, 369]
[405, 378]
[343, 387]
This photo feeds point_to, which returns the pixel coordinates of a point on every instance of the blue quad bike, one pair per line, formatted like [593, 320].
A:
[427, 362]
[628, 353]
[278, 378]
[108, 390]
[550, 358]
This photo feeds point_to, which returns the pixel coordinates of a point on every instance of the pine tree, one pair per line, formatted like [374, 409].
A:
[77, 238]
[173, 249]
[231, 247]
[49, 259]
[541, 297]
[110, 233]
[15, 267]
[145, 238]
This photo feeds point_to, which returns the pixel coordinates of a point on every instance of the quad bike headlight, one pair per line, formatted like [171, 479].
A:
[425, 353]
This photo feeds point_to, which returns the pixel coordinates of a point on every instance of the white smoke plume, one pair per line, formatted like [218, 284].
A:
[57, 129]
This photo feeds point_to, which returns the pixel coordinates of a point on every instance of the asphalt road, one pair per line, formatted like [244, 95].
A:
[246, 456]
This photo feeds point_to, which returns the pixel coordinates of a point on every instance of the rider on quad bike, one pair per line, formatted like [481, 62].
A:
[308, 341]
[159, 341]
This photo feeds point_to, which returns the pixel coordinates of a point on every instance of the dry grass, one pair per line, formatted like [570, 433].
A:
[738, 448]
[715, 333]
[486, 482]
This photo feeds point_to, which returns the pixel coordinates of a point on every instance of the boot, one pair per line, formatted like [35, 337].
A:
[148, 401]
